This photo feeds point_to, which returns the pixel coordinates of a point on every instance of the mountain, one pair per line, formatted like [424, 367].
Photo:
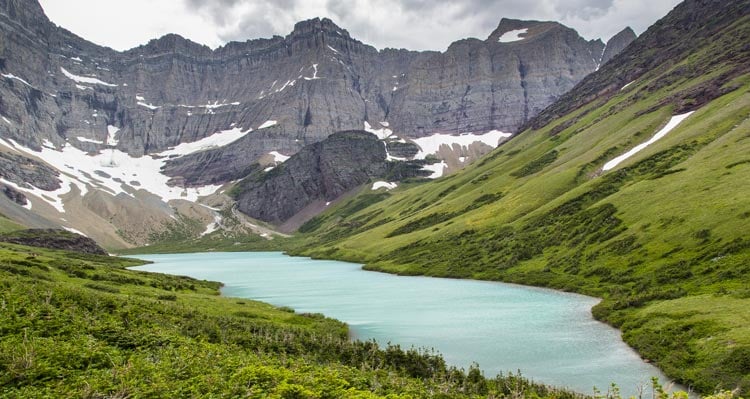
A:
[135, 137]
[631, 187]
[617, 43]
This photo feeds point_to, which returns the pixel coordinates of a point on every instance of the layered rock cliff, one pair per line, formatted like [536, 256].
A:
[174, 120]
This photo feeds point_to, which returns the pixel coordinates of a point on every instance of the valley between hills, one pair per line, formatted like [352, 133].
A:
[630, 186]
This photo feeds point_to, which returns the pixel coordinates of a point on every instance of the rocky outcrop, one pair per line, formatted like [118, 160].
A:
[25, 172]
[617, 43]
[320, 172]
[54, 239]
[14, 195]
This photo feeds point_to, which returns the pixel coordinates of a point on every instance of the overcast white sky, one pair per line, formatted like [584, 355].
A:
[411, 24]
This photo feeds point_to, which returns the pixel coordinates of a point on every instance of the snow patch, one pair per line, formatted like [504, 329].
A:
[278, 157]
[382, 134]
[117, 164]
[214, 105]
[85, 79]
[12, 76]
[431, 144]
[624, 87]
[85, 140]
[315, 73]
[267, 124]
[112, 135]
[53, 198]
[7, 121]
[72, 230]
[437, 169]
[218, 139]
[673, 122]
[513, 36]
[333, 49]
[148, 105]
[385, 185]
[76, 59]
[213, 226]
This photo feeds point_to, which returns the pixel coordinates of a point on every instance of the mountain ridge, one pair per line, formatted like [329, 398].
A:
[64, 98]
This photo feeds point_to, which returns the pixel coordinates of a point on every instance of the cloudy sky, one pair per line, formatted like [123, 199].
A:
[412, 24]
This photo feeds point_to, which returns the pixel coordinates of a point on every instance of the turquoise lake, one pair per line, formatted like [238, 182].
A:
[550, 336]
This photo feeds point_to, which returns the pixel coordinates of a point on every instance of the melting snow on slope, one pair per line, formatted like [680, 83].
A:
[112, 135]
[513, 36]
[315, 73]
[385, 185]
[278, 157]
[218, 139]
[53, 198]
[626, 86]
[437, 169]
[84, 79]
[85, 140]
[148, 105]
[663, 132]
[267, 124]
[382, 134]
[116, 164]
[12, 76]
[431, 144]
[213, 226]
[72, 230]
[7, 121]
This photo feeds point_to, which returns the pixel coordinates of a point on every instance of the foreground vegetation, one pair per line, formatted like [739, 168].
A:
[75, 325]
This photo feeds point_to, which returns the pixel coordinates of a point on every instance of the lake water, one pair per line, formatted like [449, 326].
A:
[548, 335]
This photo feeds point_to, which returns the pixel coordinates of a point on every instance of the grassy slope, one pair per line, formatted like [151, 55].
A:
[664, 238]
[74, 325]
[7, 225]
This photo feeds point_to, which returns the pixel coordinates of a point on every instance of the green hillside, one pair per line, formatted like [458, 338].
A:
[7, 225]
[663, 238]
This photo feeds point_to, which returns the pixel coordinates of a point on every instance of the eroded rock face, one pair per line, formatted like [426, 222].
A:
[320, 172]
[316, 80]
[26, 172]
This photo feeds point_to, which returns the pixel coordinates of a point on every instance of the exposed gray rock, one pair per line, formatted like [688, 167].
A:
[316, 80]
[617, 43]
[25, 172]
[14, 195]
[321, 171]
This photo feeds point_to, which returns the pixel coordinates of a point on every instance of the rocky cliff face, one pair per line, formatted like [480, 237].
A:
[617, 43]
[174, 120]
[319, 173]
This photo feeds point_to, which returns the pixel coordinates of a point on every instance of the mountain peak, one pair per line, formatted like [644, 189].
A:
[517, 30]
[315, 25]
[617, 43]
[173, 42]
